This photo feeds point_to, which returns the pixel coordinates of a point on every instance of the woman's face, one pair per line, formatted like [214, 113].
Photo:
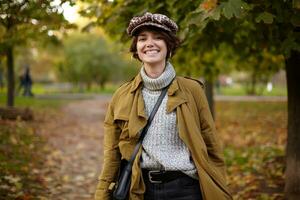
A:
[151, 48]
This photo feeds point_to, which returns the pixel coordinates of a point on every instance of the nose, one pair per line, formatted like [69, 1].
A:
[149, 42]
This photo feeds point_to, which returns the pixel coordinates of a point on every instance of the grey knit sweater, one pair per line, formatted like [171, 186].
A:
[162, 147]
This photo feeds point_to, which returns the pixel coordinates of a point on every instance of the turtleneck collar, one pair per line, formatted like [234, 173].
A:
[160, 82]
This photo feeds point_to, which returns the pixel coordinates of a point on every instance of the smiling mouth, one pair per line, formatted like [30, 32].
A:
[152, 51]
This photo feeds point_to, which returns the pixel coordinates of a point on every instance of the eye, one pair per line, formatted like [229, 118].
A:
[141, 39]
[159, 37]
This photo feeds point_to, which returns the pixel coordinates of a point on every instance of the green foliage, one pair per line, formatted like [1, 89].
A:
[206, 27]
[41, 58]
[260, 67]
[90, 59]
[23, 20]
[271, 24]
[259, 33]
[28, 20]
[232, 8]
[266, 17]
[219, 60]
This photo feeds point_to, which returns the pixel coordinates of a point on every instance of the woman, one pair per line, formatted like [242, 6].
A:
[180, 156]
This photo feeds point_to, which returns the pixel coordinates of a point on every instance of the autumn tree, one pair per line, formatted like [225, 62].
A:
[209, 65]
[271, 26]
[27, 20]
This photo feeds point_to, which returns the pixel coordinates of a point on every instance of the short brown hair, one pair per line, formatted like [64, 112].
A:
[171, 40]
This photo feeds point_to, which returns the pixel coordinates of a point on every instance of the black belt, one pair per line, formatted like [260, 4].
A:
[159, 176]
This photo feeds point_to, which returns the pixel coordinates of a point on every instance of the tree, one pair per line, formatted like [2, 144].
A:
[271, 26]
[90, 59]
[25, 20]
[209, 64]
[260, 67]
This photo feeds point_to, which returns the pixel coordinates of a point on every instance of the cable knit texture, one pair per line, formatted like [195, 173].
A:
[162, 147]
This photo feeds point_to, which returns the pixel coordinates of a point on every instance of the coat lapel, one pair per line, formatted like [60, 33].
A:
[176, 97]
[137, 116]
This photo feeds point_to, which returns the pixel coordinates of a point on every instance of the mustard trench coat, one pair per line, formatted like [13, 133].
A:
[125, 119]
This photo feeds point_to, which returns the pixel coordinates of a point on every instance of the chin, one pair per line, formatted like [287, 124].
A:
[153, 60]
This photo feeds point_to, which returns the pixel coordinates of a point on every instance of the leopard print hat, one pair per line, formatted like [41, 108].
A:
[149, 19]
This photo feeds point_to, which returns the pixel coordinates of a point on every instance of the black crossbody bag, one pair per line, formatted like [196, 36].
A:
[123, 184]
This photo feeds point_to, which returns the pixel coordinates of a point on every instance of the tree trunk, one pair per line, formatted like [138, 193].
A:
[292, 173]
[10, 77]
[209, 90]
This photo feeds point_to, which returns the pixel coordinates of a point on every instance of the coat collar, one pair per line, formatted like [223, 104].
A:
[176, 96]
[137, 81]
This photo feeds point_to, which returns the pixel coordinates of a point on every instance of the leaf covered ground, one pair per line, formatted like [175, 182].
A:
[58, 156]
[22, 157]
[254, 137]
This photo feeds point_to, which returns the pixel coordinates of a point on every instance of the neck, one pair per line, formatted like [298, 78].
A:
[154, 70]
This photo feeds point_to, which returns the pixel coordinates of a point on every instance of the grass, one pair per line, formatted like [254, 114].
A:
[108, 89]
[254, 136]
[239, 90]
[235, 90]
[34, 103]
[44, 89]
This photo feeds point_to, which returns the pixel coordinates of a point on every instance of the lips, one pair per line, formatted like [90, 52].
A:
[151, 51]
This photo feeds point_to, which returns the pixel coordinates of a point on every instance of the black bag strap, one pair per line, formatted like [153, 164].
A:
[145, 129]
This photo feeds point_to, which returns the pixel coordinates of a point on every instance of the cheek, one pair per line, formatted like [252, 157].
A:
[139, 52]
[164, 47]
[139, 48]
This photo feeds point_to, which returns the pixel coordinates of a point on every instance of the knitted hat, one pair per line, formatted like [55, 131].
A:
[149, 19]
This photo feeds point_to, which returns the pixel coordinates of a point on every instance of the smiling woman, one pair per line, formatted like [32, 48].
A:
[180, 156]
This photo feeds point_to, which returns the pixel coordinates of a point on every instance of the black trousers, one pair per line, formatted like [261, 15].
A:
[182, 188]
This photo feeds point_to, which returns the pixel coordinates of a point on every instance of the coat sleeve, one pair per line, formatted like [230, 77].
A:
[208, 130]
[111, 159]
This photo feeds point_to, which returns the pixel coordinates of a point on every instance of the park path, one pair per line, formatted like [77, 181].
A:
[75, 141]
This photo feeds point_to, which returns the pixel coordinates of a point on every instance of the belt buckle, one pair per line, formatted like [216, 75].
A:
[150, 176]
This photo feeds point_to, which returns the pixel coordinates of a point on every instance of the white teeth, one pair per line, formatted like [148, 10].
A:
[151, 51]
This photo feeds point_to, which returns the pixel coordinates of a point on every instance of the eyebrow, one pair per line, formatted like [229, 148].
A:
[142, 34]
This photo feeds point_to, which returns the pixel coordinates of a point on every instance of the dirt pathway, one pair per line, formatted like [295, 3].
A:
[75, 139]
